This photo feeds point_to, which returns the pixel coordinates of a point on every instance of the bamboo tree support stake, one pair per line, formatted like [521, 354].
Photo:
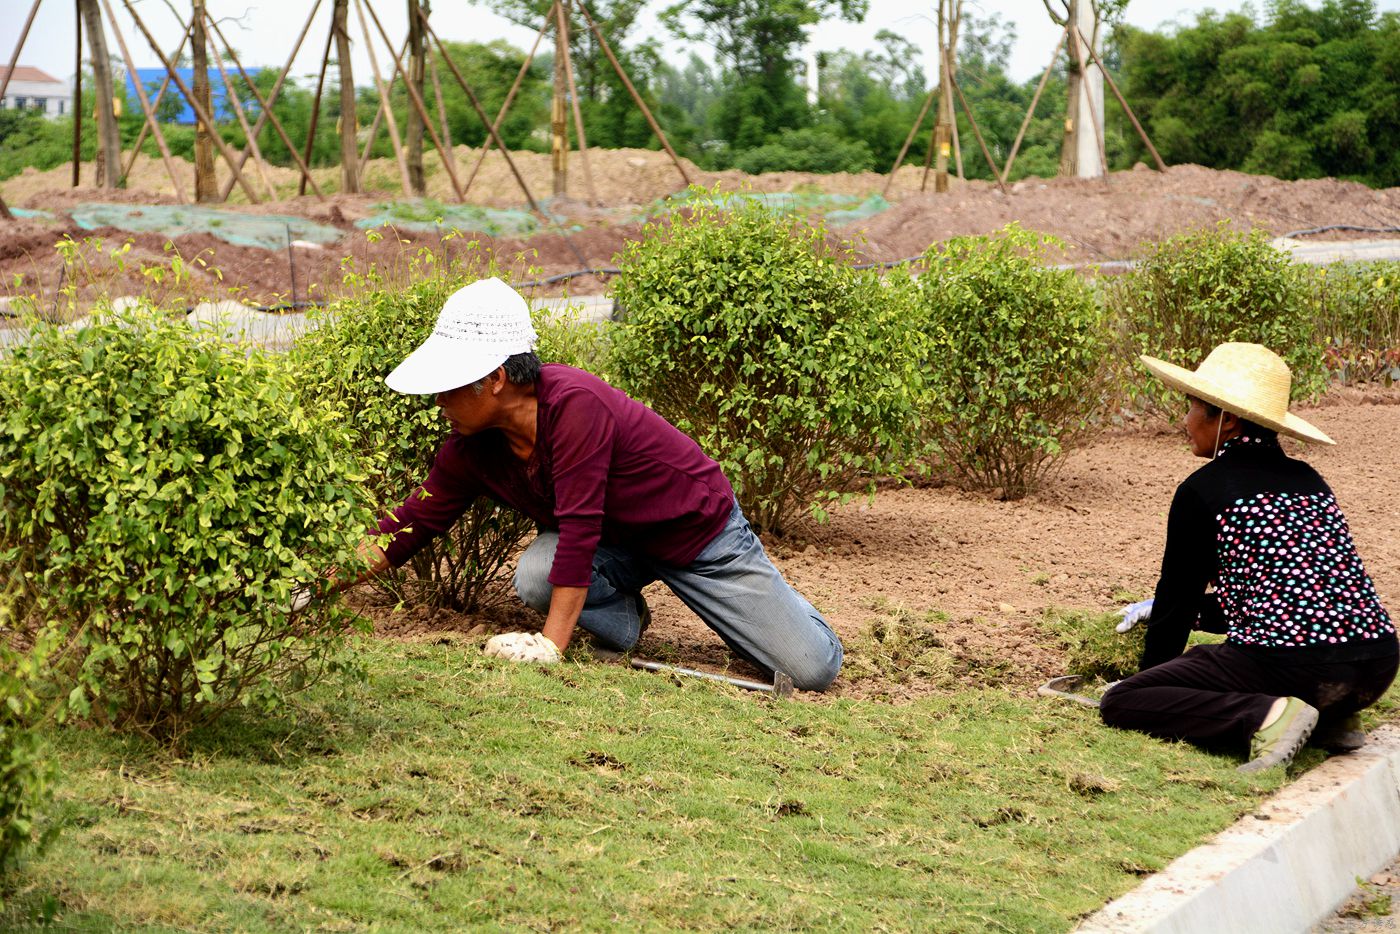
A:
[388, 108]
[416, 76]
[1030, 111]
[420, 108]
[372, 136]
[242, 118]
[476, 105]
[146, 107]
[14, 59]
[1089, 99]
[266, 105]
[986, 154]
[272, 98]
[199, 112]
[957, 148]
[1161, 166]
[155, 106]
[641, 104]
[78, 101]
[953, 124]
[908, 141]
[510, 97]
[442, 114]
[573, 99]
[933, 141]
[316, 108]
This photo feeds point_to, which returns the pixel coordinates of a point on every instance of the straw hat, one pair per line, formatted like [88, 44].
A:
[1249, 380]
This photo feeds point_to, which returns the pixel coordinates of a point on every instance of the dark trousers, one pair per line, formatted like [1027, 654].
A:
[1218, 695]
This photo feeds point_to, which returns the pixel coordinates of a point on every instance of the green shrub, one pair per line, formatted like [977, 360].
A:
[164, 493]
[807, 150]
[26, 777]
[1017, 362]
[750, 333]
[1200, 289]
[342, 364]
[1358, 320]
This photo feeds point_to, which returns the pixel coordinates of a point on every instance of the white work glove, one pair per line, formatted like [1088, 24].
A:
[298, 600]
[1133, 614]
[523, 647]
[301, 599]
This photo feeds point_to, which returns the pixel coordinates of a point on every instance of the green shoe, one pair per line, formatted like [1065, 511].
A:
[1341, 737]
[1280, 741]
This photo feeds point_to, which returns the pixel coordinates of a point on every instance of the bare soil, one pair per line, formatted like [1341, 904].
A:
[994, 567]
[1098, 221]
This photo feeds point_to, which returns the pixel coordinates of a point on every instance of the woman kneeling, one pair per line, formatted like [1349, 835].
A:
[1308, 643]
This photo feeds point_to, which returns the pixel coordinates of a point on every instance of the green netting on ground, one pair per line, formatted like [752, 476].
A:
[269, 231]
[29, 214]
[837, 209]
[429, 216]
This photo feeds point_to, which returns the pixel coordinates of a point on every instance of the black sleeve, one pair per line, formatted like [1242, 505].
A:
[1212, 616]
[1188, 564]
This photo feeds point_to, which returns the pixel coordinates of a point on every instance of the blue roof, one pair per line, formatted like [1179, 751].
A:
[152, 78]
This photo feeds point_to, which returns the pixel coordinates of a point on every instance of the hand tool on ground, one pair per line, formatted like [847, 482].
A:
[781, 686]
[1064, 686]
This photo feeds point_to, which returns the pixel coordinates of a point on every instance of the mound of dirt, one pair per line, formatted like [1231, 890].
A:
[1097, 220]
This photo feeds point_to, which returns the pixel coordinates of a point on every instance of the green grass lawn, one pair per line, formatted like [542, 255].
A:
[454, 792]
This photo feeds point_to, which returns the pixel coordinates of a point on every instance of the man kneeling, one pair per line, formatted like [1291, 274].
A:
[623, 499]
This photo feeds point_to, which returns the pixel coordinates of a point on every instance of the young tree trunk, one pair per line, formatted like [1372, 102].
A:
[206, 189]
[417, 71]
[949, 17]
[1079, 152]
[349, 153]
[109, 150]
[559, 113]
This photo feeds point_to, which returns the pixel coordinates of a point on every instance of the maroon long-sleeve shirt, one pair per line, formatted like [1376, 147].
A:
[605, 469]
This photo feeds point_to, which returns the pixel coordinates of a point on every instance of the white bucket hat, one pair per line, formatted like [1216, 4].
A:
[479, 327]
[1249, 380]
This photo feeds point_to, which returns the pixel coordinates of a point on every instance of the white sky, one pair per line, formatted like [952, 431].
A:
[272, 27]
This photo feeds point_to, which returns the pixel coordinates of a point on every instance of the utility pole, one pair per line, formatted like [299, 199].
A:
[349, 153]
[206, 189]
[417, 71]
[109, 150]
[559, 112]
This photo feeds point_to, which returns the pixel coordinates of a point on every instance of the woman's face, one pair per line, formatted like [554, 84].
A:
[1202, 430]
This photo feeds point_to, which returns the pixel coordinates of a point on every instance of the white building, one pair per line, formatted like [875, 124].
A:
[34, 89]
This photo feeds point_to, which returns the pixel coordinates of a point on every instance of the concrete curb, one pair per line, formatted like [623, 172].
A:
[1287, 866]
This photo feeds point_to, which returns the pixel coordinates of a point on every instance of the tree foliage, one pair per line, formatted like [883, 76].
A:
[1305, 93]
[1300, 91]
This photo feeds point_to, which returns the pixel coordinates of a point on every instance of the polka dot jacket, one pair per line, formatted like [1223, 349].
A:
[1265, 530]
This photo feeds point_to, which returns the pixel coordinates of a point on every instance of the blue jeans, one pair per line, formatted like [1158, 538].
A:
[731, 585]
